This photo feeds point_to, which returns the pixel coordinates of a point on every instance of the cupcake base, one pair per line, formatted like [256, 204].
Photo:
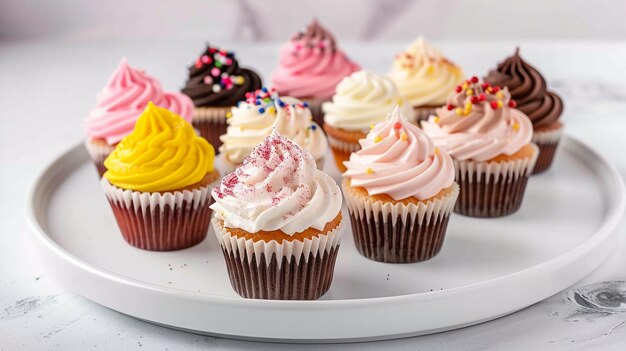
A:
[162, 221]
[211, 123]
[343, 143]
[494, 188]
[399, 232]
[98, 151]
[289, 270]
[308, 280]
[547, 139]
[422, 113]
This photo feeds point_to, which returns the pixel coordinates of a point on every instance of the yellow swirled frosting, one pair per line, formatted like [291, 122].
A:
[161, 154]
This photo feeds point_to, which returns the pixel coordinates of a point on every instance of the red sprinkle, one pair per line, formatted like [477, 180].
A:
[494, 105]
[474, 99]
[485, 85]
[458, 89]
[450, 107]
[474, 79]
[397, 125]
[512, 103]
[482, 97]
[495, 89]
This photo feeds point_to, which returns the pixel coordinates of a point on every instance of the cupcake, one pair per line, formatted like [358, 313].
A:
[424, 77]
[252, 120]
[216, 83]
[543, 107]
[311, 65]
[119, 105]
[278, 221]
[490, 143]
[400, 191]
[360, 101]
[158, 182]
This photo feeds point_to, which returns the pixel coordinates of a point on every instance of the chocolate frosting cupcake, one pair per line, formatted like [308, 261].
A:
[216, 80]
[529, 90]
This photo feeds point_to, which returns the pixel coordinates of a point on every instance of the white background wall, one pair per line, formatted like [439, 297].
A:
[276, 19]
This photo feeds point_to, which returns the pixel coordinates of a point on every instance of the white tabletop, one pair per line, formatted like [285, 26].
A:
[47, 88]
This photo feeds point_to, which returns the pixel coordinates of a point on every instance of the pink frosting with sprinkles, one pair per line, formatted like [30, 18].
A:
[311, 65]
[399, 160]
[278, 187]
[123, 99]
[479, 122]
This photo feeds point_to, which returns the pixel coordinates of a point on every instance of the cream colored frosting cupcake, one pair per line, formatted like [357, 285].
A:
[360, 101]
[252, 120]
[424, 77]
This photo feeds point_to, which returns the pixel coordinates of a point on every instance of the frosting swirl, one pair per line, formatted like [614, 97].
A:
[528, 87]
[163, 153]
[277, 188]
[479, 123]
[252, 120]
[362, 99]
[216, 79]
[399, 160]
[423, 75]
[123, 99]
[311, 65]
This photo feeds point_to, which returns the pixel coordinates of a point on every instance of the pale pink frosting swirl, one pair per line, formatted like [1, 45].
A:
[479, 123]
[311, 65]
[398, 159]
[124, 98]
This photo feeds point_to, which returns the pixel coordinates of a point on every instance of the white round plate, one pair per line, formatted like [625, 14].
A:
[487, 267]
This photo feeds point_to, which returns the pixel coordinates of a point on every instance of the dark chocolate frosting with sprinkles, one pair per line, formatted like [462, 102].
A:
[528, 87]
[216, 80]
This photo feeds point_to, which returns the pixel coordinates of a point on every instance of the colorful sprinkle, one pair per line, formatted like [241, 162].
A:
[459, 111]
[369, 171]
[313, 126]
[215, 72]
[261, 110]
[208, 80]
[499, 103]
[512, 104]
[516, 126]
[229, 114]
[474, 79]
[403, 137]
[372, 126]
[217, 88]
[397, 125]
[377, 139]
[450, 107]
[436, 119]
[494, 105]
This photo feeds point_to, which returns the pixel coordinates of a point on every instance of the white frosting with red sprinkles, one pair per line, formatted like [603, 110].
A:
[277, 187]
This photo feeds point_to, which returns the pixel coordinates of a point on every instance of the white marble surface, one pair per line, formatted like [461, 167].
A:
[46, 89]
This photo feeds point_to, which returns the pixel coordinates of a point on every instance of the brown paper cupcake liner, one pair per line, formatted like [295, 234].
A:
[398, 233]
[98, 153]
[342, 151]
[422, 113]
[211, 122]
[291, 270]
[492, 189]
[161, 221]
[315, 105]
[547, 141]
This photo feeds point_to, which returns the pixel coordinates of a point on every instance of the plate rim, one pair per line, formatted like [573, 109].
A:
[604, 231]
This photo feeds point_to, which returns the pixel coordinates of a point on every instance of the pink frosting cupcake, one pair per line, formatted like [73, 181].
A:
[490, 143]
[310, 67]
[400, 191]
[119, 105]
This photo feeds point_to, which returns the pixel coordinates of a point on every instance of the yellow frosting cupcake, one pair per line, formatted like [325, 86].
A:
[158, 182]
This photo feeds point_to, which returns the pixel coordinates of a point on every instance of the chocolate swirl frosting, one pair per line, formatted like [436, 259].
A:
[529, 90]
[216, 80]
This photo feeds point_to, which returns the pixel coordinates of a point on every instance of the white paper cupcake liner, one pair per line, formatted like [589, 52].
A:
[98, 153]
[291, 250]
[161, 221]
[212, 114]
[343, 145]
[398, 232]
[548, 136]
